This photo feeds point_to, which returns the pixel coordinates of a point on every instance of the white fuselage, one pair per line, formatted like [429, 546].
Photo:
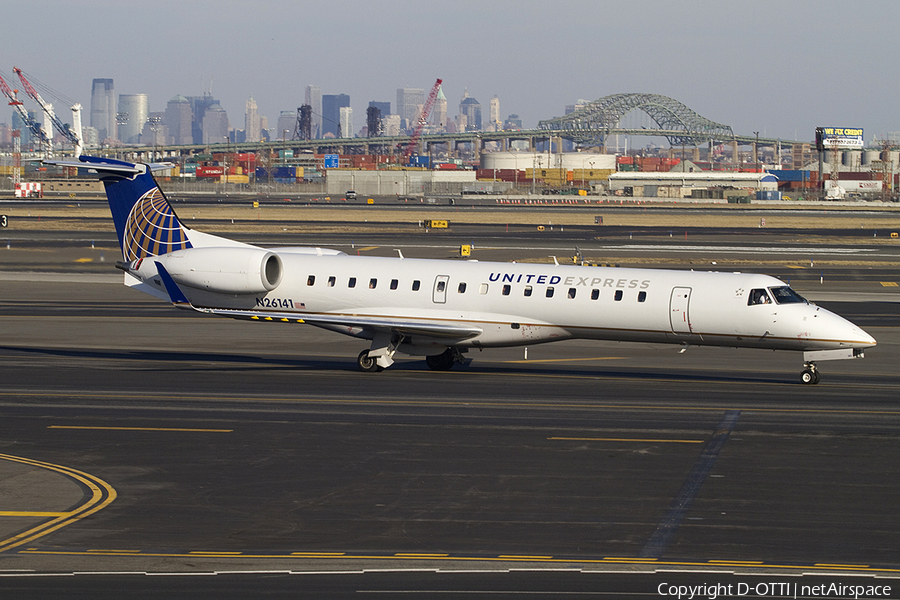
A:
[522, 303]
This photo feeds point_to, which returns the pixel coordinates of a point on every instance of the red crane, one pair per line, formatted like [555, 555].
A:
[423, 118]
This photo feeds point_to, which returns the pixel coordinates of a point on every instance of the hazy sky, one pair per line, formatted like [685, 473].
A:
[778, 67]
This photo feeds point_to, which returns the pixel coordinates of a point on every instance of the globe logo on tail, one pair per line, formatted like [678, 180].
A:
[152, 229]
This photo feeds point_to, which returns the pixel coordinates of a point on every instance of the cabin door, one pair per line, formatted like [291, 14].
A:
[678, 310]
[440, 289]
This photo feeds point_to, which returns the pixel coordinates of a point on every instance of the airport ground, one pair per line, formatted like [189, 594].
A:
[137, 438]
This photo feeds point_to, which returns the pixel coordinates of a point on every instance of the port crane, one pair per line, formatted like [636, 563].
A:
[423, 119]
[72, 134]
[36, 130]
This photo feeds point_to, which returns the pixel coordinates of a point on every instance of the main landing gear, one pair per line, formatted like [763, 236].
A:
[810, 374]
[443, 361]
[368, 360]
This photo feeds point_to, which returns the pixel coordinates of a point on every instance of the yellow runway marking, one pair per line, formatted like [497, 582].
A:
[30, 513]
[141, 428]
[795, 267]
[417, 555]
[587, 439]
[367, 248]
[102, 495]
[889, 284]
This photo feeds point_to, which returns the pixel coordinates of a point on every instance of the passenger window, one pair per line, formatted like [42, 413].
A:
[483, 289]
[415, 285]
[642, 296]
[311, 280]
[394, 284]
[618, 295]
[595, 294]
[549, 292]
[373, 283]
[758, 296]
[331, 281]
[506, 290]
[462, 288]
[352, 282]
[572, 292]
[441, 286]
[528, 291]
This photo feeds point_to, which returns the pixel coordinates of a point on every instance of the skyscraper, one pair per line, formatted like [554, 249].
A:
[346, 121]
[155, 132]
[314, 99]
[471, 108]
[439, 112]
[178, 121]
[331, 113]
[287, 122]
[134, 109]
[252, 126]
[409, 103]
[215, 125]
[495, 124]
[384, 107]
[103, 108]
[199, 104]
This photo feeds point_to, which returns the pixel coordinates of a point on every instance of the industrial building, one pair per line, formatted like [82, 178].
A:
[416, 183]
[682, 184]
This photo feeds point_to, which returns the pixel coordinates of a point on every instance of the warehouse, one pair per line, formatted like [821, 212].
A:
[682, 184]
[398, 183]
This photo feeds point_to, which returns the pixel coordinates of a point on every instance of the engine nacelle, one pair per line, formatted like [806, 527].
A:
[227, 270]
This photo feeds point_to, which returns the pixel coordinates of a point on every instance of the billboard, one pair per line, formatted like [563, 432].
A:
[842, 137]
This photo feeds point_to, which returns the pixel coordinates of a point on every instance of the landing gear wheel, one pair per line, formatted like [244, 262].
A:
[441, 362]
[809, 376]
[367, 364]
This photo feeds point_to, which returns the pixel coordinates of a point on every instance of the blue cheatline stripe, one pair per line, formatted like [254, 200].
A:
[667, 526]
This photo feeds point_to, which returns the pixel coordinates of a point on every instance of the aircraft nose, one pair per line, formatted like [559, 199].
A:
[841, 331]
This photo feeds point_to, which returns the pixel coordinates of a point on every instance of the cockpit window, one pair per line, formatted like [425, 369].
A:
[758, 296]
[785, 295]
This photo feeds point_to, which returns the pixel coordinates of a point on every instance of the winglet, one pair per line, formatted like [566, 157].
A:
[175, 294]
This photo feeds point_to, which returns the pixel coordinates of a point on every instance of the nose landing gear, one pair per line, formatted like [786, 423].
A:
[810, 374]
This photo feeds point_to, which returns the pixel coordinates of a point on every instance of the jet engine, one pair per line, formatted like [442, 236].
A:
[226, 270]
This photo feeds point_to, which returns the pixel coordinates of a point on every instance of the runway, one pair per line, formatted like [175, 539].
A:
[209, 445]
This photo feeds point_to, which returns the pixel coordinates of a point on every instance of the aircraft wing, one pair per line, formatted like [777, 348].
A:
[409, 326]
[426, 327]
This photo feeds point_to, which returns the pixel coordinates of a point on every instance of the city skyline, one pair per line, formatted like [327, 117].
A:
[771, 67]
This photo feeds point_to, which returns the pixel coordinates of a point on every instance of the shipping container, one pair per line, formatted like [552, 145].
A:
[210, 171]
[283, 172]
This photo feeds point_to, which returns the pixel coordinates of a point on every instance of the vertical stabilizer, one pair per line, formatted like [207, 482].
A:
[144, 220]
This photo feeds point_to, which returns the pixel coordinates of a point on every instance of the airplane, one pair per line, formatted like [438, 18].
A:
[441, 309]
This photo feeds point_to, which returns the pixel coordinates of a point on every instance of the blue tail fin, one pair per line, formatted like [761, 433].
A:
[144, 220]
